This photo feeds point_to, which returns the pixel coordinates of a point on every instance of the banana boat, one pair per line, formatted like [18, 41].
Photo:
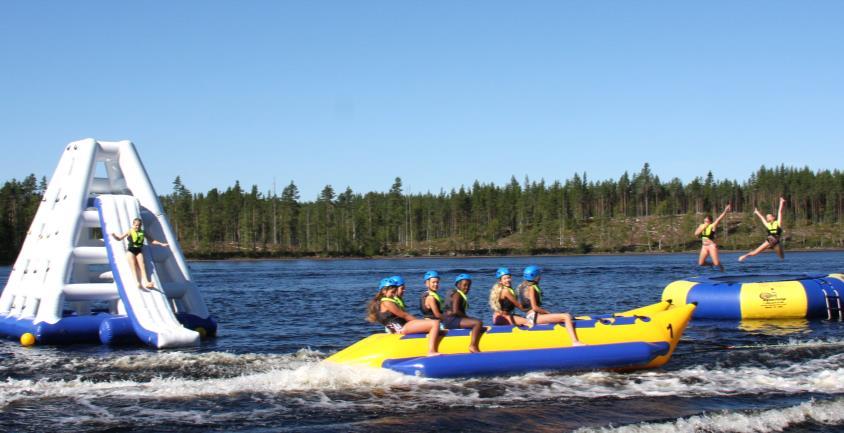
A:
[642, 338]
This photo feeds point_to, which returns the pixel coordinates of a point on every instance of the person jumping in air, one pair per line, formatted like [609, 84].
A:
[385, 309]
[135, 254]
[532, 300]
[773, 228]
[706, 232]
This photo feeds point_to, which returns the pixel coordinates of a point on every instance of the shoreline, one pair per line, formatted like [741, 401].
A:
[477, 256]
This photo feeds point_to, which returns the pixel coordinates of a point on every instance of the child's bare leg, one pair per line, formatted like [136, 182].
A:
[713, 251]
[570, 328]
[758, 250]
[432, 327]
[434, 337]
[143, 270]
[780, 251]
[133, 265]
[701, 260]
[475, 324]
[565, 319]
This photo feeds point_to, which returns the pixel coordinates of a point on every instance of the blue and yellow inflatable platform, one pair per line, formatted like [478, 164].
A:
[640, 338]
[761, 296]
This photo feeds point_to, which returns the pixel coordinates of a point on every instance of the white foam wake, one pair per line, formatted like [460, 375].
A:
[817, 375]
[773, 420]
[288, 378]
[210, 362]
[302, 376]
[794, 344]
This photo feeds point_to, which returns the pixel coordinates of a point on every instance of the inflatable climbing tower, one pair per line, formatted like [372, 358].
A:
[72, 282]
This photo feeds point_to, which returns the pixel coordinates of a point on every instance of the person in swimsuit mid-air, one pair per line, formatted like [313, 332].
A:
[706, 232]
[773, 229]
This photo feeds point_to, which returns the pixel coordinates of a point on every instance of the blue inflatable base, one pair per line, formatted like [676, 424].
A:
[591, 357]
[118, 330]
[68, 330]
[721, 297]
[93, 328]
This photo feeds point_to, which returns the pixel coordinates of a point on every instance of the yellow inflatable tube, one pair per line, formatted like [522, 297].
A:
[762, 296]
[661, 325]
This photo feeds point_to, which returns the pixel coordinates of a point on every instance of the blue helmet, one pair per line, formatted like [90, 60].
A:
[385, 282]
[502, 272]
[431, 274]
[397, 280]
[462, 277]
[531, 272]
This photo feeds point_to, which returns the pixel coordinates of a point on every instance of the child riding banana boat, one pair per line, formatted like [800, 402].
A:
[640, 338]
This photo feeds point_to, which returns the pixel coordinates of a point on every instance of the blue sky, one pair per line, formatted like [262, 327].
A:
[439, 93]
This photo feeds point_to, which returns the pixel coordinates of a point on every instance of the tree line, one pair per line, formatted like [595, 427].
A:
[637, 211]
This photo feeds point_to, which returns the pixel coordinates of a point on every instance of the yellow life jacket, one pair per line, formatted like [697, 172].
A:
[136, 238]
[398, 301]
[708, 232]
[526, 299]
[465, 300]
[427, 312]
[438, 298]
[506, 304]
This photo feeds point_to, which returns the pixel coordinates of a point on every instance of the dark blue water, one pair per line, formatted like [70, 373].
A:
[278, 319]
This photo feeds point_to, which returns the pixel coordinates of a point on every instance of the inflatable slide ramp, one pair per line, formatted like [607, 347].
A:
[150, 310]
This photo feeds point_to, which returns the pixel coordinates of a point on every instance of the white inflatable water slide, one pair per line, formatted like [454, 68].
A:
[72, 281]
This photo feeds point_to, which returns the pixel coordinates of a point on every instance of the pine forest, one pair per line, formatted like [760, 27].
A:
[634, 213]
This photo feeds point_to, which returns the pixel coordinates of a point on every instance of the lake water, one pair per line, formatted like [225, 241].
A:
[278, 319]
